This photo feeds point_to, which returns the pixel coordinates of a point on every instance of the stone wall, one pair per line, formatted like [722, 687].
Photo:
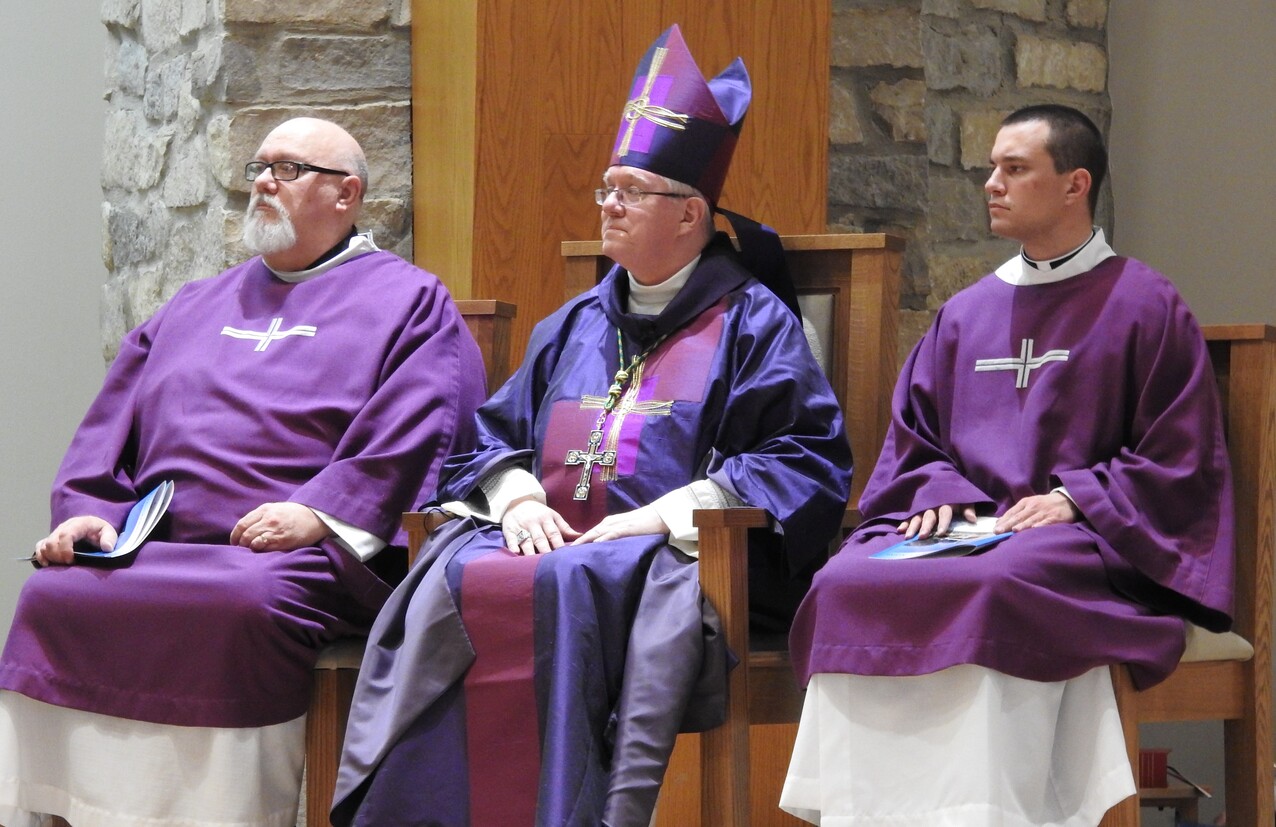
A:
[194, 85]
[919, 88]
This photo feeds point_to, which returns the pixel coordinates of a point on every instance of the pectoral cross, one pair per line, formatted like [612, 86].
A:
[589, 458]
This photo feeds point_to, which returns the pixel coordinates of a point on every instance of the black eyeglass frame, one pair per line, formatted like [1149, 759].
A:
[253, 169]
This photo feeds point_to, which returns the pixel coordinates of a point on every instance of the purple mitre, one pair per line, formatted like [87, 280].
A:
[678, 125]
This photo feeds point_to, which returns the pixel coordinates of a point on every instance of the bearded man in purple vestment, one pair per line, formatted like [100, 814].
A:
[299, 402]
[1069, 398]
[539, 659]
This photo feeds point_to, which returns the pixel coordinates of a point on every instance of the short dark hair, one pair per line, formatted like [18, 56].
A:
[1074, 142]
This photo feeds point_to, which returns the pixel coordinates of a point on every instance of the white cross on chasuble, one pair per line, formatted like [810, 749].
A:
[272, 334]
[1025, 364]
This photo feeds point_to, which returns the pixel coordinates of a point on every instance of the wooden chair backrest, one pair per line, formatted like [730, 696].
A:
[489, 322]
[848, 286]
[1244, 358]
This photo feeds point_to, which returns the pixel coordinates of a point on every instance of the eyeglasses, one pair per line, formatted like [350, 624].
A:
[284, 170]
[628, 196]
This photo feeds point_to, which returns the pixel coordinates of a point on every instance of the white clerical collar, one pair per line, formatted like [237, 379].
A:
[359, 244]
[651, 299]
[1022, 270]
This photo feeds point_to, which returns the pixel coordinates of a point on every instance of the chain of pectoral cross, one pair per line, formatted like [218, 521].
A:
[592, 456]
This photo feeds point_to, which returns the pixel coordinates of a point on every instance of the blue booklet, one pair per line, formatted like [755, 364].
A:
[141, 520]
[963, 538]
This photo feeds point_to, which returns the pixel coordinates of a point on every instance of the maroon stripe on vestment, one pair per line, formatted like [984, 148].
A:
[502, 730]
[679, 368]
[569, 427]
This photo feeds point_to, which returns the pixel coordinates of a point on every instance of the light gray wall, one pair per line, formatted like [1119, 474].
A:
[1193, 148]
[51, 80]
[1193, 152]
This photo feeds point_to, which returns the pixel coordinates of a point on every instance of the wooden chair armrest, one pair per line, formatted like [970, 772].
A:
[724, 566]
[727, 518]
[419, 525]
[724, 578]
[724, 571]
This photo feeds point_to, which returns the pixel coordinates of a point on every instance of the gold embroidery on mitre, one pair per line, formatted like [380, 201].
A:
[641, 107]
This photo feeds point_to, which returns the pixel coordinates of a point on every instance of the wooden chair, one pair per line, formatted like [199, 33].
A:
[1218, 678]
[1211, 683]
[848, 286]
[338, 664]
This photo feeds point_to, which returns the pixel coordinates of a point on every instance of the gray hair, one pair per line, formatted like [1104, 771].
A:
[358, 164]
[679, 188]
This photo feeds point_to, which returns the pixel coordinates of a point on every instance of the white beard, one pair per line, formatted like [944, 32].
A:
[264, 236]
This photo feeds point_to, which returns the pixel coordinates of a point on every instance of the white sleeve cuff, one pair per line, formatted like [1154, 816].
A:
[1061, 490]
[500, 489]
[676, 507]
[509, 485]
[352, 538]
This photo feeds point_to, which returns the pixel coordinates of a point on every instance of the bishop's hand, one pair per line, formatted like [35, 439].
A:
[531, 527]
[643, 520]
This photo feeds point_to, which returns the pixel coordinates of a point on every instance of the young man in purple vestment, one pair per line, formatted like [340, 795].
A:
[537, 662]
[1069, 396]
[299, 402]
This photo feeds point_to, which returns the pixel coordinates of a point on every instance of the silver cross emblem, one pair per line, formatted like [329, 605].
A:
[589, 457]
[1025, 364]
[272, 334]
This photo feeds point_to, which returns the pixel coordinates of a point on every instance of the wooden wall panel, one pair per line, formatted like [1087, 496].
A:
[507, 155]
[517, 102]
[787, 173]
[578, 41]
[571, 173]
[444, 69]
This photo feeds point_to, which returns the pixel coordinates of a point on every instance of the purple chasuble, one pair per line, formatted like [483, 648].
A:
[343, 392]
[1100, 383]
[676, 372]
[624, 650]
